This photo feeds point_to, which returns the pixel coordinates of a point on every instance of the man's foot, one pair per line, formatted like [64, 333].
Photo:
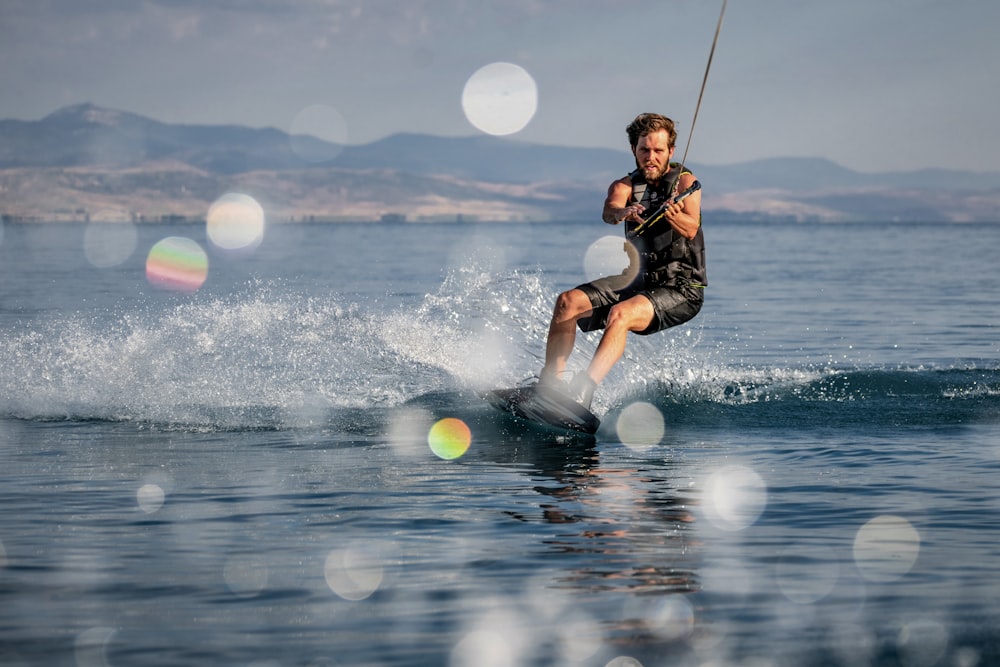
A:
[550, 383]
[582, 388]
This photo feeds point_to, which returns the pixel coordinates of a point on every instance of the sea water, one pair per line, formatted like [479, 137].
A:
[244, 471]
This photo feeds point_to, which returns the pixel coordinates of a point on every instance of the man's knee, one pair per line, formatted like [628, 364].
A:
[618, 316]
[572, 304]
[632, 315]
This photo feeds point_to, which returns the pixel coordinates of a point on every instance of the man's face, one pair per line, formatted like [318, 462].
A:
[652, 154]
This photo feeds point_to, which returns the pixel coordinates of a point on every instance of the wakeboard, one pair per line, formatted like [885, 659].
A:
[545, 408]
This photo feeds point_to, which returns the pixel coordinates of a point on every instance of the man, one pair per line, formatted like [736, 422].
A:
[664, 283]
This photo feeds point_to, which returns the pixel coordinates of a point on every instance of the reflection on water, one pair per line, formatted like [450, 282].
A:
[625, 542]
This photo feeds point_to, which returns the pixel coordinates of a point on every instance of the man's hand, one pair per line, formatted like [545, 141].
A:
[633, 213]
[673, 211]
[616, 206]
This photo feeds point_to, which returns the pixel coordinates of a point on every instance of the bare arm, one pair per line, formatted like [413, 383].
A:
[616, 206]
[685, 216]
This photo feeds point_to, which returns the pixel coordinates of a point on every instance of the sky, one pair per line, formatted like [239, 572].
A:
[874, 85]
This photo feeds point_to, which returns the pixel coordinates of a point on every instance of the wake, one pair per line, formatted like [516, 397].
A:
[271, 358]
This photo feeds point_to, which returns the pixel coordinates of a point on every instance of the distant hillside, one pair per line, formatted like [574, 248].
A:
[86, 162]
[85, 135]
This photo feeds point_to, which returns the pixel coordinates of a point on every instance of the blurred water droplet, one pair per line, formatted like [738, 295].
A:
[354, 572]
[150, 497]
[500, 98]
[885, 548]
[734, 498]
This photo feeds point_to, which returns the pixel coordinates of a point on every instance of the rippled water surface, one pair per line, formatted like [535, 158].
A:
[250, 473]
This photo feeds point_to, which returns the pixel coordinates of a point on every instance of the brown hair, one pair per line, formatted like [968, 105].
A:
[645, 123]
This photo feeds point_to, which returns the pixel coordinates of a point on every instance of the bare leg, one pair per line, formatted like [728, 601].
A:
[634, 314]
[570, 307]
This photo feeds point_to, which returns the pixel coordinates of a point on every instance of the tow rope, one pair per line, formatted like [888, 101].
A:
[704, 82]
[658, 213]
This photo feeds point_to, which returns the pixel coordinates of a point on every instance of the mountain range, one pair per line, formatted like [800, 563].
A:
[93, 163]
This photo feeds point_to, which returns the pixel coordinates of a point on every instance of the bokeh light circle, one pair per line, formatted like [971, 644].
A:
[354, 572]
[579, 639]
[150, 497]
[107, 244]
[624, 661]
[91, 647]
[640, 425]
[177, 263]
[607, 256]
[235, 221]
[246, 575]
[735, 497]
[671, 617]
[500, 98]
[885, 548]
[668, 617]
[807, 574]
[924, 642]
[322, 122]
[449, 438]
[482, 648]
[407, 431]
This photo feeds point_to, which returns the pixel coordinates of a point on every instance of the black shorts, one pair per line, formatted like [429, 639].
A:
[671, 305]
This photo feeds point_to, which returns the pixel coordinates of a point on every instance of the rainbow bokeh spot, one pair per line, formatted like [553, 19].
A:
[449, 438]
[177, 263]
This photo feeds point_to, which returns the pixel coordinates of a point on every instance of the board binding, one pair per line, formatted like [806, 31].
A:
[547, 408]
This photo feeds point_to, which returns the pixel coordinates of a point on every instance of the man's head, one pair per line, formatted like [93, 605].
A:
[652, 137]
[645, 123]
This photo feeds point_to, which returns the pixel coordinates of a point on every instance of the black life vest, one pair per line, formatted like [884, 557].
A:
[666, 258]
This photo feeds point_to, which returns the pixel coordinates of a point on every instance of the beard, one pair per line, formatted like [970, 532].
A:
[653, 173]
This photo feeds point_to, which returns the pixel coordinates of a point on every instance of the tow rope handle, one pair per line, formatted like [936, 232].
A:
[657, 215]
